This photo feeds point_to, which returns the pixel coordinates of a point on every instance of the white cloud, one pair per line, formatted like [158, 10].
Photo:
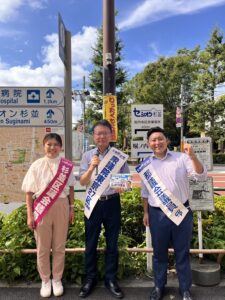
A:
[3, 65]
[51, 72]
[153, 10]
[81, 50]
[10, 8]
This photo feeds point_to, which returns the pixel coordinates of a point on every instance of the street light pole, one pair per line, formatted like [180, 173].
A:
[83, 94]
[182, 117]
[83, 100]
[108, 47]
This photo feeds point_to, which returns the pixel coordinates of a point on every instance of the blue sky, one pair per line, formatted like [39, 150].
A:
[148, 29]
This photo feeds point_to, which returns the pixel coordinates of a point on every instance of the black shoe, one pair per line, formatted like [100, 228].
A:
[113, 287]
[187, 296]
[87, 287]
[156, 294]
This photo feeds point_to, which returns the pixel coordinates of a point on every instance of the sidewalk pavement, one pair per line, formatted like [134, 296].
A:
[134, 289]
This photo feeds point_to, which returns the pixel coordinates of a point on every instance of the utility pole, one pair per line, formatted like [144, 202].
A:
[109, 82]
[108, 47]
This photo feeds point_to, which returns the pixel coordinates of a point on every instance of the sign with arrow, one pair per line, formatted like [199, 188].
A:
[31, 96]
[31, 117]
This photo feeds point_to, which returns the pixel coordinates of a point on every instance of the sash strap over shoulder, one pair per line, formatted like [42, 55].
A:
[166, 201]
[51, 193]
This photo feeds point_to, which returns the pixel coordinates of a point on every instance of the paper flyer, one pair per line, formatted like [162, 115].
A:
[121, 181]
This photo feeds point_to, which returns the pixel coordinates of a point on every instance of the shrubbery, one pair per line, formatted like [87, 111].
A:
[213, 228]
[14, 235]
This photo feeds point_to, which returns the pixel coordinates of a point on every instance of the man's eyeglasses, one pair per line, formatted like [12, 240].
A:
[102, 133]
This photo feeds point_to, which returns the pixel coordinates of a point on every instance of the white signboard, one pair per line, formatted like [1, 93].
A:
[31, 96]
[144, 117]
[203, 150]
[201, 194]
[140, 149]
[36, 116]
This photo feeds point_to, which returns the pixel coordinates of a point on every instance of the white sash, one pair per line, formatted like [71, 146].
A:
[111, 163]
[168, 203]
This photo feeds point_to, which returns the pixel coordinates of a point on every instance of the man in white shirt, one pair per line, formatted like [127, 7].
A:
[171, 171]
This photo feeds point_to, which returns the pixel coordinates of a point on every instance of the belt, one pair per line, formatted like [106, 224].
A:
[107, 197]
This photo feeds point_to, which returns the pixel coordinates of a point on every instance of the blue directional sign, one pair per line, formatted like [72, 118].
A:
[31, 96]
[31, 117]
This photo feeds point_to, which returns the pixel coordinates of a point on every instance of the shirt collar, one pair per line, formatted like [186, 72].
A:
[105, 152]
[168, 153]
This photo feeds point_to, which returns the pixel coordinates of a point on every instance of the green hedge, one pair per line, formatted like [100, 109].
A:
[213, 229]
[14, 235]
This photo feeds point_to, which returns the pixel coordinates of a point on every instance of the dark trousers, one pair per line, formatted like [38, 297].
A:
[163, 232]
[108, 213]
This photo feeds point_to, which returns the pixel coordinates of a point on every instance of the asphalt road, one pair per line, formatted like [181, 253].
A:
[100, 293]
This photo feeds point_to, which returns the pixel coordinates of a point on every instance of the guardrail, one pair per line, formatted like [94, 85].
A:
[215, 189]
[219, 189]
[220, 252]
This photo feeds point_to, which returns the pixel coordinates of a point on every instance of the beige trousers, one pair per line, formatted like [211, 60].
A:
[51, 233]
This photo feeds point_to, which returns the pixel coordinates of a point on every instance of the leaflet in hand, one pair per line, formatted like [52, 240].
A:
[121, 181]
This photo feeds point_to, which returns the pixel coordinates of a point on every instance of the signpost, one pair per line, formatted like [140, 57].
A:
[65, 55]
[62, 39]
[178, 117]
[31, 107]
[144, 117]
[32, 117]
[140, 149]
[110, 114]
[31, 96]
[201, 194]
[201, 198]
[203, 149]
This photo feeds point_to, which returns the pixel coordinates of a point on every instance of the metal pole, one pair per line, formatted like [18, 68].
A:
[83, 97]
[200, 243]
[182, 116]
[149, 245]
[108, 47]
[68, 97]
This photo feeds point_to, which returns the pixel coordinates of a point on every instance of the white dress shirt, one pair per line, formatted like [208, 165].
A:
[174, 171]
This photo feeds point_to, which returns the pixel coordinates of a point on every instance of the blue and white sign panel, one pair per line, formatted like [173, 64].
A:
[32, 117]
[62, 39]
[31, 96]
[140, 149]
[144, 117]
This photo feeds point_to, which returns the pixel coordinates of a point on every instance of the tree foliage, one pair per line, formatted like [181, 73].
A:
[160, 82]
[208, 113]
[200, 71]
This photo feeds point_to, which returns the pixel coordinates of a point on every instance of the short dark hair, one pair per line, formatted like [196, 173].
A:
[50, 136]
[103, 123]
[155, 129]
